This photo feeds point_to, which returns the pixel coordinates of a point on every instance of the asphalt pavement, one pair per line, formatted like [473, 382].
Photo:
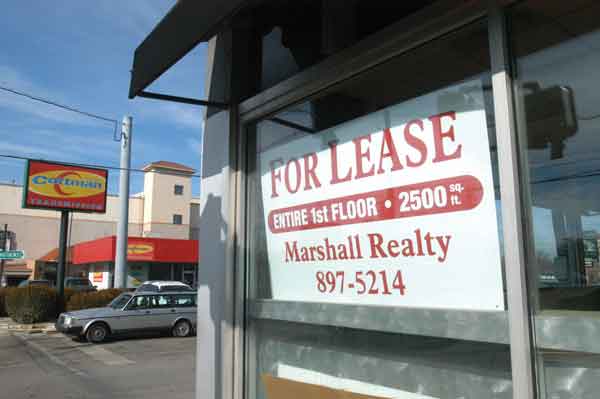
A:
[56, 367]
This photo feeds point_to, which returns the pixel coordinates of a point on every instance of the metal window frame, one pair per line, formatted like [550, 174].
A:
[520, 334]
[421, 28]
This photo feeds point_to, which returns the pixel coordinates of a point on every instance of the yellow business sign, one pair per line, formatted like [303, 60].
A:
[139, 249]
[67, 184]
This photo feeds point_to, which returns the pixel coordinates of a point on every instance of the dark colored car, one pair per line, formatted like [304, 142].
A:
[79, 284]
[39, 283]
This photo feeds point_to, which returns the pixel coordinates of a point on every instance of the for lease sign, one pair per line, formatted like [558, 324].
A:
[396, 208]
[58, 186]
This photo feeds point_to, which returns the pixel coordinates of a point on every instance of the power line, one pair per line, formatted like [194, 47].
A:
[65, 107]
[591, 173]
[89, 165]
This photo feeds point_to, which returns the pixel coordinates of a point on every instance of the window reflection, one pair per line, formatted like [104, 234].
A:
[558, 62]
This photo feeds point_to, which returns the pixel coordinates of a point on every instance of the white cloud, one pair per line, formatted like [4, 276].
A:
[194, 144]
[58, 145]
[32, 151]
[187, 117]
[190, 117]
[13, 79]
[138, 17]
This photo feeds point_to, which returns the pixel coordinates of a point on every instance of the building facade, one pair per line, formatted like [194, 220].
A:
[398, 198]
[161, 211]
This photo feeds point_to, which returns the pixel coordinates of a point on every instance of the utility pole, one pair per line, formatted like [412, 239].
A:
[123, 222]
[4, 241]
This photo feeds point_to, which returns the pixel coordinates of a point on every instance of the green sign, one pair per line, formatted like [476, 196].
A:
[12, 254]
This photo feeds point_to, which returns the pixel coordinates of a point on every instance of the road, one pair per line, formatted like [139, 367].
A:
[56, 367]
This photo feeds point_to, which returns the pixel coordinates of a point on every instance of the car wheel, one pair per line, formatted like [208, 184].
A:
[182, 329]
[96, 333]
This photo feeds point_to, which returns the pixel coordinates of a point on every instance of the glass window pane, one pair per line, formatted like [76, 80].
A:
[556, 45]
[184, 300]
[356, 217]
[162, 301]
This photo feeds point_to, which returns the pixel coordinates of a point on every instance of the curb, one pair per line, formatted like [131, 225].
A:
[39, 328]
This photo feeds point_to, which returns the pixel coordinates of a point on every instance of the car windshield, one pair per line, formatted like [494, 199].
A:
[120, 301]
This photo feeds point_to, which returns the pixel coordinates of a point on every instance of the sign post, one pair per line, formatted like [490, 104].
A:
[4, 241]
[62, 255]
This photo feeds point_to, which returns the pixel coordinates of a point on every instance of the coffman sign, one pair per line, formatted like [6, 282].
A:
[395, 208]
[58, 186]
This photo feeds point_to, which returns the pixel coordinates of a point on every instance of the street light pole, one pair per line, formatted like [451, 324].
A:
[122, 224]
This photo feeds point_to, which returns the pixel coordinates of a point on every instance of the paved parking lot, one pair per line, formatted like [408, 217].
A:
[56, 367]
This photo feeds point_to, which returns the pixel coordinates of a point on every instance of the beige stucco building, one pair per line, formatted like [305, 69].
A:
[163, 209]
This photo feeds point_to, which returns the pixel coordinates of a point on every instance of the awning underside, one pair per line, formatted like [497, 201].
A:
[188, 23]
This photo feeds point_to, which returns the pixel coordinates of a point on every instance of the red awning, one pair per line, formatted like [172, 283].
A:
[164, 250]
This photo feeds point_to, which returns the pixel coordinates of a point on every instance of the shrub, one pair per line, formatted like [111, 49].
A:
[31, 304]
[87, 300]
[69, 292]
[3, 302]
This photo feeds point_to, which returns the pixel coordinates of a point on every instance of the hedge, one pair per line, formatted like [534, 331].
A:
[31, 304]
[3, 292]
[35, 304]
[86, 300]
[69, 292]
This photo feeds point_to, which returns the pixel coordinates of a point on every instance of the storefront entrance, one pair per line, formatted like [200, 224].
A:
[189, 276]
[398, 206]
[147, 259]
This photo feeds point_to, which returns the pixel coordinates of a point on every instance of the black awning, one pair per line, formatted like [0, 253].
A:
[188, 23]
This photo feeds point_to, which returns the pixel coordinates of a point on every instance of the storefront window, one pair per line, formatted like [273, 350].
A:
[374, 251]
[556, 45]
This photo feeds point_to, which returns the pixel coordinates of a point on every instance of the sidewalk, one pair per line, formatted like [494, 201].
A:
[8, 325]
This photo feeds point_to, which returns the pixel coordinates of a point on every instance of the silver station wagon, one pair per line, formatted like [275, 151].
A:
[133, 312]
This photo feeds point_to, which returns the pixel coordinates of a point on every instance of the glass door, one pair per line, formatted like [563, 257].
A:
[375, 259]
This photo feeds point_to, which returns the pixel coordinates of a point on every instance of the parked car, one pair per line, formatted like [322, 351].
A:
[39, 283]
[79, 284]
[133, 312]
[164, 286]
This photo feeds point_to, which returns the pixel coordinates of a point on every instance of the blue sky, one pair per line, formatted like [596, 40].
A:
[80, 54]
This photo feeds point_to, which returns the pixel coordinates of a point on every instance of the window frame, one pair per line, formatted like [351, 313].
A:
[393, 41]
[178, 189]
[175, 217]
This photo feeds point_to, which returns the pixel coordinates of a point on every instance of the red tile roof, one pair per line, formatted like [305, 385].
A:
[168, 165]
[52, 256]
